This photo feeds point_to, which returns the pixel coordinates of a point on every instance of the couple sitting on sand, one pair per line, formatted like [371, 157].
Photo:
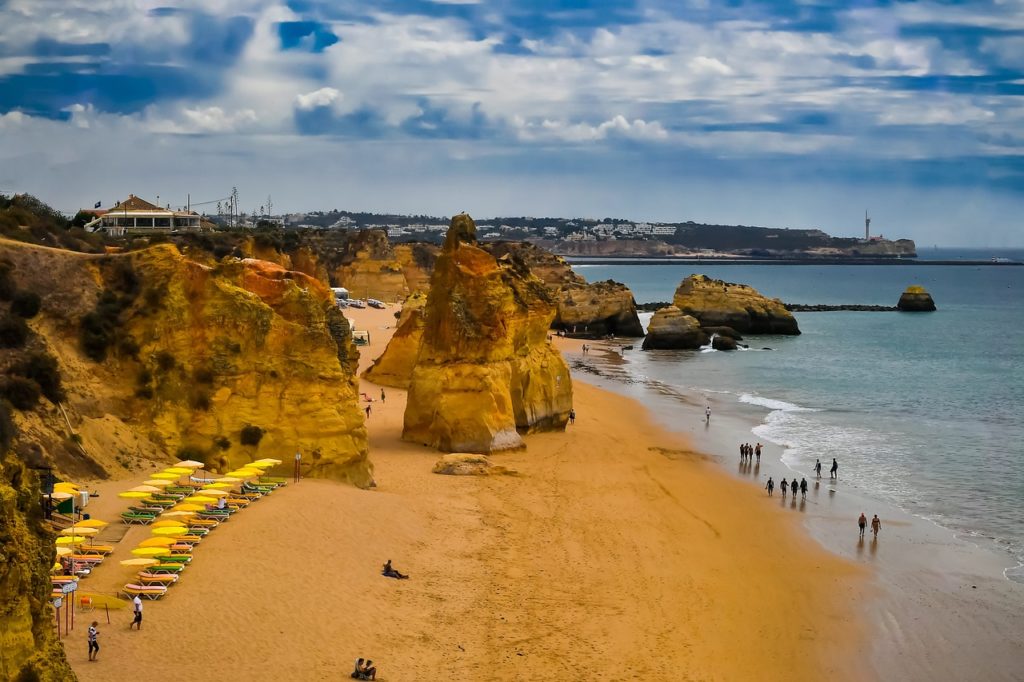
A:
[364, 671]
[389, 572]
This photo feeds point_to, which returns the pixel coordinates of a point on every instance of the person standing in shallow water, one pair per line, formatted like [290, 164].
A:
[817, 467]
[834, 471]
[770, 486]
[707, 414]
[862, 523]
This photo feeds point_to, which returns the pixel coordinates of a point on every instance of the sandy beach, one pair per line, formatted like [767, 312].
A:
[615, 552]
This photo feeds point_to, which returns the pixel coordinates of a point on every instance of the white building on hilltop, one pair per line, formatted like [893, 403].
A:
[138, 216]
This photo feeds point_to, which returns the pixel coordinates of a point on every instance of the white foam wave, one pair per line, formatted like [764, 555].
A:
[773, 404]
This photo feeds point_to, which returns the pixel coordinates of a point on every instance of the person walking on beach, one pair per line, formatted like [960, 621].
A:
[757, 451]
[817, 467]
[834, 471]
[382, 395]
[572, 415]
[743, 451]
[707, 414]
[770, 486]
[94, 645]
[803, 488]
[137, 608]
[876, 525]
[783, 486]
[367, 411]
[862, 523]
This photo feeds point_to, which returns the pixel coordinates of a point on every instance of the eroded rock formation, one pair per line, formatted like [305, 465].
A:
[485, 371]
[717, 303]
[916, 299]
[671, 328]
[29, 649]
[394, 366]
[465, 464]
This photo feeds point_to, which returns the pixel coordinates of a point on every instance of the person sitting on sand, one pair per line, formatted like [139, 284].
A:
[369, 672]
[357, 674]
[770, 486]
[391, 572]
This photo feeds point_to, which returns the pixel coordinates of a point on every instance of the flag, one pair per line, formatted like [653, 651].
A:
[97, 204]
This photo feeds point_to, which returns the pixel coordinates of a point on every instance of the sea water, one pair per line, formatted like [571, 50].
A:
[922, 410]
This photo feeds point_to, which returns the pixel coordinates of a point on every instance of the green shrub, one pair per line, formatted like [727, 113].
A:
[251, 435]
[201, 401]
[222, 442]
[128, 347]
[13, 332]
[26, 304]
[144, 392]
[21, 392]
[7, 286]
[42, 368]
[192, 452]
[203, 375]
[165, 362]
[144, 377]
[7, 430]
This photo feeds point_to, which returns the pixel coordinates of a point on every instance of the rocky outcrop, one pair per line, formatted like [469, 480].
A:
[717, 303]
[584, 310]
[485, 371]
[671, 329]
[723, 342]
[394, 366]
[467, 464]
[29, 649]
[225, 363]
[916, 299]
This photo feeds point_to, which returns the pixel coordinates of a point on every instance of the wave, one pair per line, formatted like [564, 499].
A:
[773, 404]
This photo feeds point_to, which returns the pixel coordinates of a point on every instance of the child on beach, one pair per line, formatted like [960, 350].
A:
[770, 486]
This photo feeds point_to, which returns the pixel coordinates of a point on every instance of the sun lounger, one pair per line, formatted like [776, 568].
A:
[90, 559]
[179, 489]
[167, 568]
[276, 481]
[208, 524]
[96, 549]
[156, 502]
[145, 591]
[150, 578]
[134, 517]
[144, 508]
[174, 558]
[174, 497]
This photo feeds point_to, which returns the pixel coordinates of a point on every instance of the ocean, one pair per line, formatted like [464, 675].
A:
[923, 411]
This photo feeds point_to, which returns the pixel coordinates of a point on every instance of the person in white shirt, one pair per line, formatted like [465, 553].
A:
[137, 602]
[94, 645]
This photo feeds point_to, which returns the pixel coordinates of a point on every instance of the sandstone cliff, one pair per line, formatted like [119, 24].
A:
[585, 310]
[485, 371]
[717, 303]
[916, 299]
[394, 366]
[29, 649]
[670, 328]
[370, 267]
[224, 363]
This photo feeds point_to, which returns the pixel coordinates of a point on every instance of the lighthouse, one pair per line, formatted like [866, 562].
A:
[867, 227]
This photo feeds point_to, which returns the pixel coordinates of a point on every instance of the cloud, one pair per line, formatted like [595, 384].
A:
[318, 98]
[616, 127]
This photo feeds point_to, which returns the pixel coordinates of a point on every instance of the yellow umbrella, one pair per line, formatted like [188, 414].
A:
[269, 459]
[145, 489]
[80, 531]
[56, 567]
[170, 531]
[189, 463]
[174, 523]
[228, 479]
[66, 487]
[259, 464]
[90, 523]
[156, 542]
[70, 540]
[215, 486]
[206, 492]
[178, 470]
[61, 495]
[177, 513]
[149, 551]
[157, 483]
[187, 508]
[246, 473]
[199, 499]
[166, 475]
[63, 551]
[133, 495]
[141, 561]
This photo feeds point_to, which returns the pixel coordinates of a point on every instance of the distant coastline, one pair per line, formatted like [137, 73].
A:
[740, 260]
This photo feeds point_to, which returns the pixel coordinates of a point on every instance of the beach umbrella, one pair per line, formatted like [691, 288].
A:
[144, 489]
[56, 567]
[189, 463]
[149, 551]
[133, 494]
[174, 523]
[90, 523]
[170, 531]
[177, 513]
[63, 551]
[65, 487]
[70, 540]
[181, 471]
[215, 486]
[140, 561]
[259, 464]
[206, 492]
[157, 483]
[269, 459]
[187, 508]
[165, 475]
[199, 499]
[156, 542]
[60, 495]
[80, 531]
[229, 479]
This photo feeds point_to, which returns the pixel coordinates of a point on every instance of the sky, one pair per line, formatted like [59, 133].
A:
[784, 114]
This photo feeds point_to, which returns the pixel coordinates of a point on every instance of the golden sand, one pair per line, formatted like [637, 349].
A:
[616, 553]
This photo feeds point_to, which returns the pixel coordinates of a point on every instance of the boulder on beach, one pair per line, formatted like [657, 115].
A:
[741, 307]
[671, 329]
[723, 343]
[916, 299]
[468, 464]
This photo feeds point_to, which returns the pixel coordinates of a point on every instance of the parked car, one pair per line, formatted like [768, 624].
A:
[374, 303]
[356, 303]
[342, 302]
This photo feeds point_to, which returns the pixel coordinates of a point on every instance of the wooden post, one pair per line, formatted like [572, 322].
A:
[58, 621]
[106, 607]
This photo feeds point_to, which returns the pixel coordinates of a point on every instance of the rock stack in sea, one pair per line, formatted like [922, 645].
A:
[485, 371]
[916, 299]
